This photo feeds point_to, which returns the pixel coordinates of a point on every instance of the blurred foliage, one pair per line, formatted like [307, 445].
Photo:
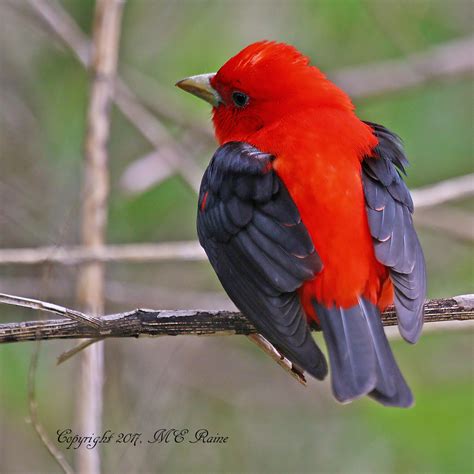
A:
[223, 384]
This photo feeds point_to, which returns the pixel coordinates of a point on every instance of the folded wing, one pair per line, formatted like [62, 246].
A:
[389, 210]
[260, 249]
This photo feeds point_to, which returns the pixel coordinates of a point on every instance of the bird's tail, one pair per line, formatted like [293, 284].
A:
[360, 357]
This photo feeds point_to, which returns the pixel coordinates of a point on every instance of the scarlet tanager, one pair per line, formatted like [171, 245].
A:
[305, 217]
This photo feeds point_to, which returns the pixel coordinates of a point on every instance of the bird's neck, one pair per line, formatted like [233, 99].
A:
[319, 134]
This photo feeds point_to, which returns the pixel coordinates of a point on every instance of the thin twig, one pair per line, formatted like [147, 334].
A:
[280, 359]
[51, 308]
[63, 25]
[153, 168]
[446, 61]
[121, 292]
[148, 322]
[75, 255]
[426, 197]
[176, 155]
[456, 223]
[33, 411]
[66, 355]
[444, 191]
[59, 22]
[164, 106]
[147, 171]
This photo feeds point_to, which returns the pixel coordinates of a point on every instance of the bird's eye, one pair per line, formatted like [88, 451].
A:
[240, 99]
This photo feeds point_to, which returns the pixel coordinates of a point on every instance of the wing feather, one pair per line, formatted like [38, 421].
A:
[261, 251]
[389, 212]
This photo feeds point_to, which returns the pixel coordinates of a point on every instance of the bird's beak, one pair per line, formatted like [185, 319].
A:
[201, 87]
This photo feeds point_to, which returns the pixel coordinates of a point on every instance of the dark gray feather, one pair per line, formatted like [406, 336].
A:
[262, 253]
[391, 388]
[362, 362]
[351, 352]
[389, 208]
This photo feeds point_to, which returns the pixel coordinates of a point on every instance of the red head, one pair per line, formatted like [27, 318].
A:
[262, 84]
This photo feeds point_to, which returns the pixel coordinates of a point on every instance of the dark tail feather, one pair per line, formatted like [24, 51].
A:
[360, 357]
[391, 388]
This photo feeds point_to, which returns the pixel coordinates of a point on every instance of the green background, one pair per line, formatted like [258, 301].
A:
[222, 384]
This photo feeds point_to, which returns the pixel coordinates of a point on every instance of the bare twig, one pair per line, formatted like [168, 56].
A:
[423, 198]
[153, 168]
[131, 294]
[107, 20]
[75, 255]
[147, 171]
[68, 32]
[165, 107]
[147, 322]
[51, 308]
[33, 411]
[280, 359]
[448, 60]
[450, 220]
[444, 191]
[64, 26]
[66, 355]
[151, 128]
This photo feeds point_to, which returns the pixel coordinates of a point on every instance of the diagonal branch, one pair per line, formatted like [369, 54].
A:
[63, 26]
[444, 61]
[444, 191]
[450, 220]
[51, 308]
[447, 60]
[452, 59]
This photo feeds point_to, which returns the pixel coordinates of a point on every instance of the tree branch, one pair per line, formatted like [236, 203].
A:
[75, 255]
[147, 322]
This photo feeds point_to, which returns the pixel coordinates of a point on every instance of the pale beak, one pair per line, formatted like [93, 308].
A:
[201, 87]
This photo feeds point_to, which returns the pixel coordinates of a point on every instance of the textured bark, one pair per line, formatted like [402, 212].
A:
[146, 322]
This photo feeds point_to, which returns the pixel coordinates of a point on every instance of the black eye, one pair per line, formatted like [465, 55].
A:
[240, 99]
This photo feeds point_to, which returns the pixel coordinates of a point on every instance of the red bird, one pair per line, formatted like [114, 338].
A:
[305, 218]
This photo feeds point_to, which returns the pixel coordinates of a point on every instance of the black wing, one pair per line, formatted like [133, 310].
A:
[389, 210]
[252, 233]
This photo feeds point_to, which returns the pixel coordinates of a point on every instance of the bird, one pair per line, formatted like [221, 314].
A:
[305, 218]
